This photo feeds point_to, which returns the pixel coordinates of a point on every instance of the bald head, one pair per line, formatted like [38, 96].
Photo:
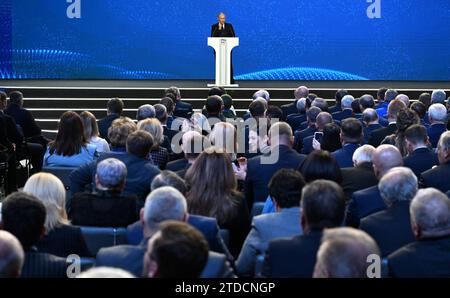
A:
[11, 255]
[385, 158]
[301, 92]
[323, 119]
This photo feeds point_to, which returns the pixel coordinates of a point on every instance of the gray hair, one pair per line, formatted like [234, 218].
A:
[390, 95]
[105, 272]
[168, 178]
[320, 103]
[111, 173]
[11, 255]
[369, 115]
[430, 210]
[363, 154]
[301, 105]
[164, 203]
[346, 102]
[174, 90]
[262, 93]
[160, 112]
[145, 111]
[301, 92]
[438, 96]
[399, 184]
[404, 98]
[343, 253]
[437, 112]
[444, 141]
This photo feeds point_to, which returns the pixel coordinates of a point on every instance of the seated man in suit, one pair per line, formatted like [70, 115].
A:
[351, 137]
[322, 207]
[361, 175]
[260, 169]
[368, 200]
[346, 106]
[177, 250]
[322, 120]
[371, 123]
[338, 97]
[182, 109]
[438, 176]
[437, 115]
[428, 256]
[300, 135]
[11, 254]
[391, 228]
[344, 253]
[285, 189]
[292, 108]
[420, 158]
[377, 136]
[106, 206]
[165, 203]
[114, 111]
[383, 106]
[297, 118]
[23, 215]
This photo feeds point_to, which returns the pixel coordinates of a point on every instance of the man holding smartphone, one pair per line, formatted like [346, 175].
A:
[312, 143]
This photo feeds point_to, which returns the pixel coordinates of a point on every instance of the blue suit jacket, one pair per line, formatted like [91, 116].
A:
[344, 156]
[362, 204]
[295, 120]
[434, 133]
[347, 113]
[307, 146]
[421, 160]
[183, 109]
[437, 178]
[368, 131]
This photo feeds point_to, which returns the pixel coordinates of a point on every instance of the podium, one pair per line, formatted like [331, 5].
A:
[223, 47]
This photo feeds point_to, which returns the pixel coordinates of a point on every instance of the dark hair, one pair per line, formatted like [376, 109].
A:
[172, 96]
[180, 252]
[219, 91]
[169, 178]
[323, 204]
[213, 105]
[139, 143]
[285, 188]
[227, 101]
[309, 99]
[366, 101]
[331, 140]
[419, 108]
[257, 108]
[390, 95]
[312, 114]
[381, 93]
[23, 215]
[274, 112]
[3, 96]
[16, 97]
[168, 103]
[405, 119]
[321, 165]
[339, 95]
[425, 98]
[173, 92]
[160, 112]
[416, 134]
[356, 107]
[70, 137]
[115, 106]
[351, 129]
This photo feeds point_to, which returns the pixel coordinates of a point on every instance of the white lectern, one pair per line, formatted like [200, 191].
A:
[223, 47]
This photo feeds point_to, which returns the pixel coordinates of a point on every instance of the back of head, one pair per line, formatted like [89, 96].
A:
[301, 105]
[24, 216]
[438, 96]
[356, 107]
[115, 106]
[216, 91]
[363, 154]
[369, 115]
[301, 92]
[70, 137]
[111, 175]
[385, 158]
[257, 108]
[346, 102]
[323, 205]
[280, 133]
[11, 255]
[274, 112]
[395, 106]
[145, 111]
[404, 98]
[168, 103]
[16, 97]
[177, 251]
[169, 178]
[405, 119]
[351, 129]
[331, 140]
[262, 93]
[444, 147]
[416, 134]
[174, 91]
[323, 119]
[119, 131]
[321, 104]
[430, 213]
[437, 113]
[90, 125]
[285, 188]
[321, 165]
[312, 114]
[105, 272]
[425, 98]
[381, 93]
[153, 127]
[227, 101]
[390, 95]
[399, 184]
[213, 104]
[344, 253]
[366, 102]
[419, 108]
[161, 113]
[139, 143]
[339, 95]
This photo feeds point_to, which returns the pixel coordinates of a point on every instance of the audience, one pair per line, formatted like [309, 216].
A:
[338, 97]
[377, 136]
[383, 107]
[351, 137]
[158, 154]
[114, 111]
[405, 119]
[145, 112]
[346, 108]
[118, 133]
[91, 133]
[437, 116]
[11, 256]
[105, 272]
[371, 122]
[322, 120]
[437, 176]
[288, 109]
[331, 139]
[182, 109]
[228, 109]
[321, 165]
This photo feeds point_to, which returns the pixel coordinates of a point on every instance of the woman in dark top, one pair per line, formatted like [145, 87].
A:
[61, 239]
[212, 192]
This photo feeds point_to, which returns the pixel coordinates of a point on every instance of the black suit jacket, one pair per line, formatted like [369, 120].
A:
[344, 156]
[347, 113]
[307, 145]
[377, 136]
[293, 257]
[228, 32]
[104, 124]
[358, 178]
[368, 131]
[437, 178]
[296, 120]
[289, 109]
[421, 160]
[43, 265]
[300, 135]
[183, 109]
[25, 119]
[4, 140]
[362, 204]
[390, 228]
[177, 165]
[11, 129]
[423, 258]
[434, 133]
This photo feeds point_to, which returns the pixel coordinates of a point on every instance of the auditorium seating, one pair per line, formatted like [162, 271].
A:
[98, 237]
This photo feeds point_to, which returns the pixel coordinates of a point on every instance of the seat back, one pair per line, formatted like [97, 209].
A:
[225, 236]
[63, 173]
[99, 237]
[257, 209]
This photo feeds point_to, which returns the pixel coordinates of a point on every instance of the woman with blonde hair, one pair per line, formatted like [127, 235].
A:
[91, 132]
[158, 154]
[61, 238]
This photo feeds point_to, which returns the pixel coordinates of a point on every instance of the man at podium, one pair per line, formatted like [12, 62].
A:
[223, 29]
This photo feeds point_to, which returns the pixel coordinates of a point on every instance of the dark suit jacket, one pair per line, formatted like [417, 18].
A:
[390, 228]
[259, 175]
[368, 131]
[334, 109]
[300, 135]
[289, 109]
[344, 156]
[358, 178]
[63, 241]
[177, 165]
[25, 119]
[347, 113]
[4, 140]
[228, 32]
[104, 124]
[378, 135]
[293, 257]
[434, 133]
[43, 265]
[362, 204]
[421, 160]
[12, 132]
[437, 178]
[307, 146]
[423, 258]
[183, 109]
[295, 120]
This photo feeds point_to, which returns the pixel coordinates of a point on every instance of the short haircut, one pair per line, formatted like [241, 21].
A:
[139, 143]
[340, 94]
[390, 95]
[430, 210]
[346, 102]
[301, 105]
[323, 204]
[394, 107]
[262, 93]
[404, 98]
[161, 113]
[321, 165]
[11, 255]
[301, 92]
[437, 112]
[320, 103]
[119, 131]
[323, 119]
[285, 188]
[425, 98]
[444, 141]
[180, 251]
[3, 96]
[168, 103]
[351, 130]
[23, 215]
[419, 108]
[274, 112]
[312, 114]
[438, 96]
[217, 91]
[16, 97]
[173, 90]
[111, 173]
[169, 178]
[213, 104]
[164, 203]
[227, 101]
[145, 111]
[257, 108]
[381, 93]
[367, 101]
[416, 134]
[280, 130]
[363, 154]
[356, 107]
[398, 184]
[369, 115]
[115, 106]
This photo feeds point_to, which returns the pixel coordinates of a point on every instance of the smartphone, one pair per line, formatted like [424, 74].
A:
[318, 135]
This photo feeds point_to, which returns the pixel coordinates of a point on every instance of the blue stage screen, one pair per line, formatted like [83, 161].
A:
[279, 40]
